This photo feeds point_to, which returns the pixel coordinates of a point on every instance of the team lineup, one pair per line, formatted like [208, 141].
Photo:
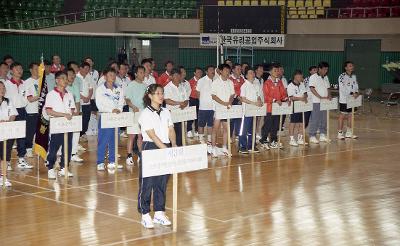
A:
[78, 89]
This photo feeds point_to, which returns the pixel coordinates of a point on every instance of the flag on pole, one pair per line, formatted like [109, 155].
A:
[42, 127]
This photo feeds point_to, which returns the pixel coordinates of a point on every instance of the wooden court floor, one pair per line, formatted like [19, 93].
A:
[342, 193]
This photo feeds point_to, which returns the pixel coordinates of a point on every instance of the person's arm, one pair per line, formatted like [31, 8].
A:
[172, 136]
[157, 141]
[314, 91]
[53, 113]
[131, 105]
[77, 107]
[32, 99]
[218, 100]
[172, 102]
[90, 93]
[12, 118]
[245, 100]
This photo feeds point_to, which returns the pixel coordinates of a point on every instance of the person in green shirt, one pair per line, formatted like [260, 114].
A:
[134, 99]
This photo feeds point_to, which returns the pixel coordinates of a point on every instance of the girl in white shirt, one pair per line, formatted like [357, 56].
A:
[158, 133]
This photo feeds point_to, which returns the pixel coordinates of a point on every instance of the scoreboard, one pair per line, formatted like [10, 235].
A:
[243, 19]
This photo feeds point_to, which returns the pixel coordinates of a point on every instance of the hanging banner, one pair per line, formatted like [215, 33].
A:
[243, 40]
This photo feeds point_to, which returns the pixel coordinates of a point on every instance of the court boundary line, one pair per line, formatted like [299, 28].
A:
[138, 238]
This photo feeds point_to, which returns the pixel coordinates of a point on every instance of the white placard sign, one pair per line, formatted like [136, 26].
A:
[12, 130]
[300, 106]
[134, 129]
[62, 124]
[243, 40]
[174, 160]
[354, 102]
[113, 120]
[181, 115]
[329, 104]
[236, 111]
[253, 110]
[281, 109]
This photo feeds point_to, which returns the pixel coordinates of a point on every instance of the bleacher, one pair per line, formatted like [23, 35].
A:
[364, 9]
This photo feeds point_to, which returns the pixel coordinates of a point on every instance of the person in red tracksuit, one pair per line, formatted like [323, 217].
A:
[274, 92]
[165, 78]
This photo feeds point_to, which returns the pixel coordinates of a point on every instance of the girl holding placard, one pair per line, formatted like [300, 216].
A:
[158, 133]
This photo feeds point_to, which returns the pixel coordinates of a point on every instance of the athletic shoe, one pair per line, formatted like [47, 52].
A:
[129, 160]
[29, 153]
[112, 166]
[22, 164]
[123, 135]
[300, 139]
[209, 149]
[225, 152]
[258, 137]
[81, 148]
[84, 138]
[214, 152]
[62, 173]
[196, 134]
[340, 135]
[100, 167]
[147, 222]
[322, 138]
[51, 174]
[189, 134]
[14, 145]
[293, 142]
[256, 150]
[243, 150]
[9, 167]
[161, 218]
[273, 145]
[7, 183]
[76, 158]
[314, 140]
[349, 134]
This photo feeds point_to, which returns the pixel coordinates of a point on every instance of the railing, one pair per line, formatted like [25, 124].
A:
[97, 14]
[363, 12]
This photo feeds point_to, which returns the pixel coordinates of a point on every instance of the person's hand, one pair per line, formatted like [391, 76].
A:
[116, 111]
[259, 104]
[305, 99]
[355, 94]
[289, 103]
[329, 98]
[135, 109]
[68, 116]
[279, 102]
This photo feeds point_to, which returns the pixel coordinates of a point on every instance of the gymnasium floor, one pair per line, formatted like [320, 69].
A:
[343, 193]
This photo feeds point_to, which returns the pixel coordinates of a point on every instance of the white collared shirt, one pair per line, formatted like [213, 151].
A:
[109, 99]
[149, 80]
[7, 109]
[32, 89]
[222, 89]
[17, 94]
[204, 86]
[87, 84]
[251, 91]
[187, 87]
[95, 77]
[294, 90]
[59, 104]
[175, 93]
[321, 85]
[347, 85]
[160, 123]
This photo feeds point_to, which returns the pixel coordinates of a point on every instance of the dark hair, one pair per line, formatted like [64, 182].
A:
[174, 71]
[122, 64]
[46, 62]
[15, 64]
[88, 57]
[181, 67]
[297, 72]
[6, 57]
[236, 65]
[311, 68]
[59, 74]
[245, 63]
[346, 63]
[210, 66]
[112, 62]
[323, 64]
[247, 70]
[131, 75]
[197, 68]
[52, 57]
[274, 65]
[226, 60]
[70, 63]
[139, 67]
[151, 89]
[33, 64]
[222, 66]
[168, 62]
[150, 59]
[84, 64]
[109, 70]
[146, 60]
[70, 70]
[257, 66]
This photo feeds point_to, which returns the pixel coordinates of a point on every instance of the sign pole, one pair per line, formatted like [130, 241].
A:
[115, 148]
[66, 155]
[175, 201]
[229, 136]
[253, 136]
[304, 130]
[280, 127]
[4, 166]
[327, 124]
[352, 122]
[183, 133]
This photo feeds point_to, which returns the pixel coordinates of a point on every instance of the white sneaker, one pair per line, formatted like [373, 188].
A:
[300, 139]
[225, 152]
[29, 153]
[9, 167]
[84, 138]
[209, 149]
[214, 152]
[81, 148]
[100, 167]
[62, 173]
[293, 142]
[129, 161]
[51, 174]
[123, 135]
[147, 222]
[273, 145]
[22, 164]
[7, 183]
[349, 134]
[340, 135]
[196, 134]
[314, 140]
[111, 165]
[161, 218]
[76, 158]
[258, 137]
[189, 134]
[322, 138]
